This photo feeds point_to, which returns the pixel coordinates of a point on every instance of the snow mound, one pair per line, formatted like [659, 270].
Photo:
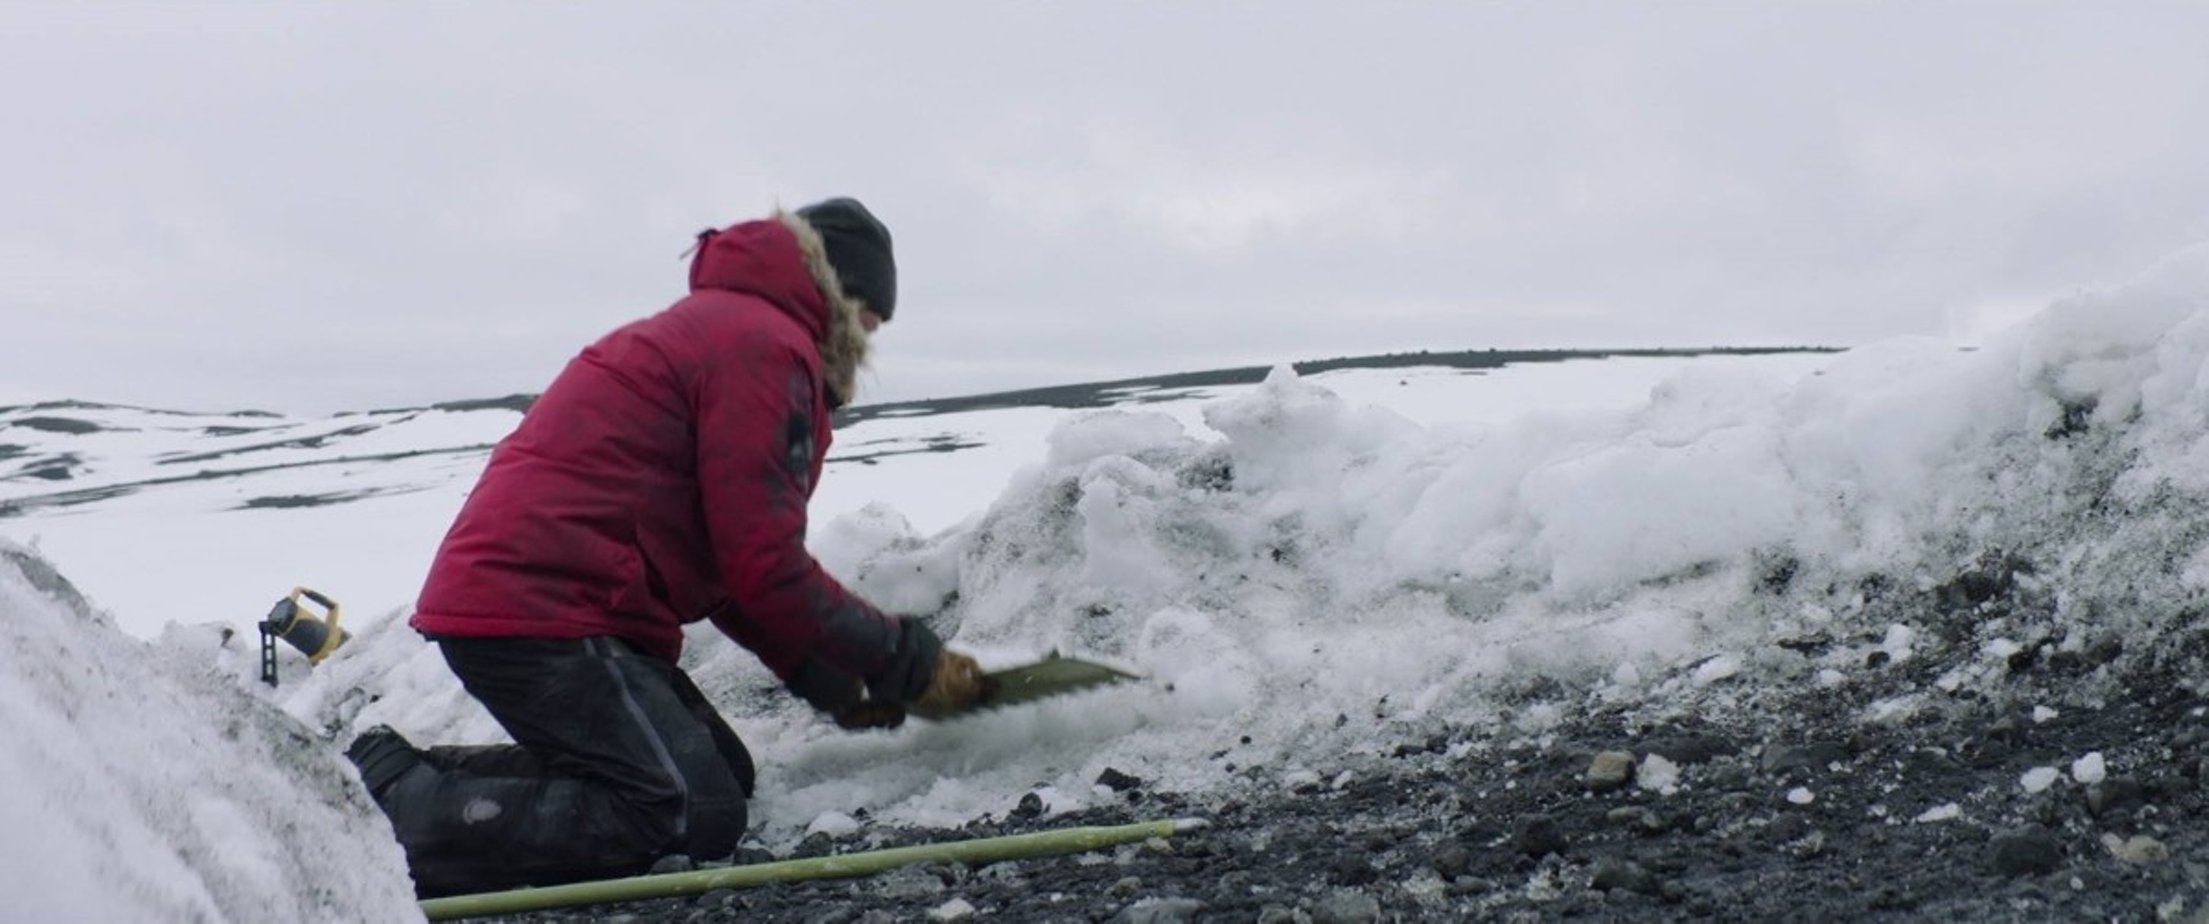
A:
[143, 787]
[1322, 579]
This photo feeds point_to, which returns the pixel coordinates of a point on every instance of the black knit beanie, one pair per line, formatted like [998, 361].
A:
[859, 249]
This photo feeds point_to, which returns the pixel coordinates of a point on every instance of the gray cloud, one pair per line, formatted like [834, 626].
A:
[310, 208]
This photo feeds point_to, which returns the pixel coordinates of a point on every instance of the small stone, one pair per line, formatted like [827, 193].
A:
[2138, 850]
[672, 863]
[1161, 911]
[1610, 770]
[2090, 769]
[2038, 779]
[1948, 811]
[1118, 782]
[2030, 850]
[1125, 887]
[1346, 907]
[957, 909]
[1031, 805]
[1536, 835]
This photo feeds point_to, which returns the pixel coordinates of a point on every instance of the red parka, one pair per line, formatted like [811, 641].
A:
[663, 479]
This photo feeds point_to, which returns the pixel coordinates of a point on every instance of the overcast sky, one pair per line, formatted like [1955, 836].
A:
[318, 207]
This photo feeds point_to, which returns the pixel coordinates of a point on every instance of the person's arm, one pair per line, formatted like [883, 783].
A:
[754, 410]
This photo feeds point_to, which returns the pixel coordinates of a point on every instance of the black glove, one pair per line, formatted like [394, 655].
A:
[879, 702]
[911, 666]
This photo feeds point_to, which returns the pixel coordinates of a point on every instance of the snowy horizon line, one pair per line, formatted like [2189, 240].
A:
[1469, 358]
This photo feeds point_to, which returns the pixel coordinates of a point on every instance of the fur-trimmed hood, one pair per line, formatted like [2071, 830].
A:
[783, 260]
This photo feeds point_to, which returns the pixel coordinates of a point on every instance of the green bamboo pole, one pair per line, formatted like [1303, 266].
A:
[868, 863]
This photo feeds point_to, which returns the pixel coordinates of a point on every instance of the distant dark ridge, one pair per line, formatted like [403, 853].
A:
[515, 402]
[72, 405]
[1083, 395]
[1118, 391]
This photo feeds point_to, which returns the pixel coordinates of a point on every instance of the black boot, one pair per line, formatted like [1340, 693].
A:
[383, 755]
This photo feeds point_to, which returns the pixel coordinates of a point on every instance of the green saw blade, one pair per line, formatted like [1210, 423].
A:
[1055, 675]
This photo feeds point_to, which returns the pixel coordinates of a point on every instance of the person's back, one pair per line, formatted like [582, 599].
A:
[591, 519]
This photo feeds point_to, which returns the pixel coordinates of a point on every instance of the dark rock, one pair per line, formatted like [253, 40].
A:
[1031, 806]
[1891, 898]
[1988, 751]
[2031, 850]
[2115, 795]
[1352, 870]
[816, 844]
[672, 863]
[1637, 819]
[1118, 782]
[1688, 749]
[1807, 645]
[1537, 835]
[1614, 874]
[1811, 758]
[1933, 760]
[1452, 861]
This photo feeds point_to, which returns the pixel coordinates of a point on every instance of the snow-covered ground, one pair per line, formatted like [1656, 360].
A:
[1303, 568]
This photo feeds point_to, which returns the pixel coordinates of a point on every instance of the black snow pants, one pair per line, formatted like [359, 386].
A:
[618, 761]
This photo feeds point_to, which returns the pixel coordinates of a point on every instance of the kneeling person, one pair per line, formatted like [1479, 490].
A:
[661, 479]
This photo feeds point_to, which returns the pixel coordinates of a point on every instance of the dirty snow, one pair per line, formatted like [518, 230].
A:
[142, 786]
